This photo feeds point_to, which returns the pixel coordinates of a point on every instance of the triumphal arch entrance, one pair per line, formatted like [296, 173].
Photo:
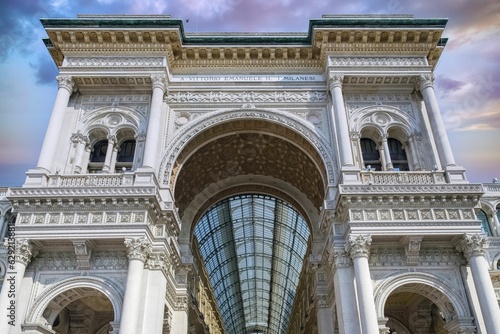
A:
[233, 183]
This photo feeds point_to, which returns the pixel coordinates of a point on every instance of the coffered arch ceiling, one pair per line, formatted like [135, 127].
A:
[248, 148]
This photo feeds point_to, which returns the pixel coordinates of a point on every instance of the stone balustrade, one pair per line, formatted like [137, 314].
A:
[390, 177]
[90, 180]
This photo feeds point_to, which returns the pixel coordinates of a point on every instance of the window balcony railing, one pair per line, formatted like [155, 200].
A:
[391, 177]
[91, 180]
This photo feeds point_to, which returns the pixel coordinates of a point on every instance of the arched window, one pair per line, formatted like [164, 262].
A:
[371, 156]
[125, 156]
[485, 225]
[98, 156]
[398, 155]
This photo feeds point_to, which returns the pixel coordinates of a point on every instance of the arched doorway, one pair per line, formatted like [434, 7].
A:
[249, 194]
[410, 312]
[422, 303]
[80, 310]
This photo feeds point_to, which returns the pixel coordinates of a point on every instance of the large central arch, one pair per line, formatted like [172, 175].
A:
[236, 154]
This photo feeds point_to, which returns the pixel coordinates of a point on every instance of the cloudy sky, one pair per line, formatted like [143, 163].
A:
[467, 76]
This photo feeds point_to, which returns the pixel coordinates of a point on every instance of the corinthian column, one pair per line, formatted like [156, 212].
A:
[359, 250]
[437, 124]
[472, 247]
[54, 128]
[138, 251]
[21, 251]
[154, 124]
[340, 118]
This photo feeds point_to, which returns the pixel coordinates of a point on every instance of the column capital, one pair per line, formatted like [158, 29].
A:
[157, 261]
[23, 250]
[138, 248]
[471, 245]
[335, 80]
[66, 82]
[159, 81]
[79, 137]
[359, 246]
[426, 80]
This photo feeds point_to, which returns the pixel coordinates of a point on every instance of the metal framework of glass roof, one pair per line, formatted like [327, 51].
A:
[253, 247]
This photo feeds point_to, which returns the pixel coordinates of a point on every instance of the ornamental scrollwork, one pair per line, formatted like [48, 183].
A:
[358, 246]
[138, 248]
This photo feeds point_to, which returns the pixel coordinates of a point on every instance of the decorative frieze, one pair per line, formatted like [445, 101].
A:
[407, 214]
[452, 189]
[247, 97]
[99, 260]
[84, 218]
[114, 62]
[424, 257]
[376, 62]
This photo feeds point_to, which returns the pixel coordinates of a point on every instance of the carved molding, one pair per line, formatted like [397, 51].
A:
[138, 248]
[412, 246]
[83, 253]
[114, 62]
[409, 214]
[247, 97]
[379, 61]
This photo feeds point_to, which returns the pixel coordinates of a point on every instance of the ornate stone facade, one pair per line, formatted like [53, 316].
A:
[152, 127]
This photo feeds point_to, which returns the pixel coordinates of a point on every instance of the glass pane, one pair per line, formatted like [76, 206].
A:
[253, 247]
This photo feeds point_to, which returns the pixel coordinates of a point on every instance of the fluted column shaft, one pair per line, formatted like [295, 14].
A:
[22, 251]
[436, 120]
[138, 251]
[359, 249]
[340, 117]
[49, 147]
[154, 124]
[472, 247]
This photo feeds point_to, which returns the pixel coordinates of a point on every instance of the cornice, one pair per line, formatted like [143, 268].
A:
[154, 35]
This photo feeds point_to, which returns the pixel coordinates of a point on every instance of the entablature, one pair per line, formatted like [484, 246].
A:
[154, 35]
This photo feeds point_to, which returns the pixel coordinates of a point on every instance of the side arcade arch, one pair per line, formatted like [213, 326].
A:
[450, 301]
[104, 287]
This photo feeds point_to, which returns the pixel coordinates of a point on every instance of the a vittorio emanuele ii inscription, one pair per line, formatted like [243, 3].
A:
[248, 78]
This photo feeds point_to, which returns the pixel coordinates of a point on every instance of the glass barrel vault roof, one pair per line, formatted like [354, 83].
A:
[253, 247]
